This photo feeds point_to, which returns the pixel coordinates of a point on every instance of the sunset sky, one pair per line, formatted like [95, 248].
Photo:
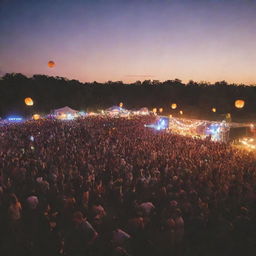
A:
[101, 40]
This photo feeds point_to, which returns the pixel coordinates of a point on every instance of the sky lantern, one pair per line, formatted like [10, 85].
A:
[214, 110]
[51, 64]
[239, 103]
[36, 116]
[121, 104]
[174, 106]
[181, 112]
[160, 110]
[154, 110]
[29, 101]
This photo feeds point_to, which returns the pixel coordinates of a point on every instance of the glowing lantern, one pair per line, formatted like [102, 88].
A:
[214, 110]
[29, 102]
[170, 116]
[181, 112]
[160, 110]
[51, 64]
[121, 104]
[239, 103]
[154, 110]
[174, 106]
[36, 117]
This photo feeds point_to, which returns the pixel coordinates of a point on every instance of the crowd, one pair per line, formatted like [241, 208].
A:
[110, 186]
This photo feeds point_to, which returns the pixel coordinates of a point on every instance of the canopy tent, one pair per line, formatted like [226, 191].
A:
[116, 110]
[141, 111]
[144, 111]
[65, 113]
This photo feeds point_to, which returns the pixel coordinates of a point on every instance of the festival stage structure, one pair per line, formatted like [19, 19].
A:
[214, 130]
[217, 131]
[65, 113]
[116, 111]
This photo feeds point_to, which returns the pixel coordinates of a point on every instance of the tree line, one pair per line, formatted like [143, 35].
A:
[194, 99]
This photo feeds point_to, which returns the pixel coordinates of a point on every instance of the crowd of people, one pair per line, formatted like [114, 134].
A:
[111, 186]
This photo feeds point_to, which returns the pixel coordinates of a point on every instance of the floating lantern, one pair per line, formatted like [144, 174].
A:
[36, 116]
[239, 103]
[51, 64]
[29, 101]
[174, 106]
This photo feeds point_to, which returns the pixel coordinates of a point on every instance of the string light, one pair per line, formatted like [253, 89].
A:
[249, 143]
[198, 128]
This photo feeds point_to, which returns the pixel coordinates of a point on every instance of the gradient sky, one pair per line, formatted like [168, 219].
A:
[203, 40]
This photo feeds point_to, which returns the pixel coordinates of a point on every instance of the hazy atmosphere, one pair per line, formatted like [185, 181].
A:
[127, 127]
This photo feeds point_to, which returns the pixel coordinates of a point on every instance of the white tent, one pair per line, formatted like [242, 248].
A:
[65, 113]
[116, 110]
[144, 111]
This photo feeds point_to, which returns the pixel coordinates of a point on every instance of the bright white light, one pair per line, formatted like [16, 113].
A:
[14, 118]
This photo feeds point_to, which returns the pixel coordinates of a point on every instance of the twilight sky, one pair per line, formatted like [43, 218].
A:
[129, 40]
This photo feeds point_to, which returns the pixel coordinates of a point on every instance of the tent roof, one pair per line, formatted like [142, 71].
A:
[116, 108]
[144, 109]
[65, 109]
